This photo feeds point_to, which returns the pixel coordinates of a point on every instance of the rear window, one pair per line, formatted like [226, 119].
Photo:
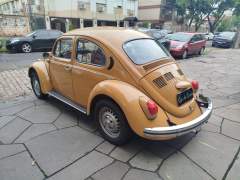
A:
[142, 51]
[227, 35]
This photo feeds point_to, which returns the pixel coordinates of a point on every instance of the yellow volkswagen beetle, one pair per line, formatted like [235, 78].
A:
[126, 80]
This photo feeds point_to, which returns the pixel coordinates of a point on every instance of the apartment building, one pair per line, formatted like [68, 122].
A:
[156, 12]
[69, 14]
[19, 17]
[22, 16]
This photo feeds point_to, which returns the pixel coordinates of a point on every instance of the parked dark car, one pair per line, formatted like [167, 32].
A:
[184, 44]
[224, 39]
[158, 35]
[35, 41]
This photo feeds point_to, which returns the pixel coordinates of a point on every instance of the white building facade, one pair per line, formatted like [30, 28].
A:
[22, 16]
[65, 15]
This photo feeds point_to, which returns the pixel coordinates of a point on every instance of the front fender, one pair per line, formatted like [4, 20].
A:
[127, 97]
[42, 69]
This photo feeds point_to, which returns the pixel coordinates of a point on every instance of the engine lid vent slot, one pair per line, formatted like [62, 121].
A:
[160, 82]
[168, 76]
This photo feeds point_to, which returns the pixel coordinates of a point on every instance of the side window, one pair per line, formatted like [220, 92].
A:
[41, 34]
[63, 48]
[90, 53]
[194, 39]
[54, 34]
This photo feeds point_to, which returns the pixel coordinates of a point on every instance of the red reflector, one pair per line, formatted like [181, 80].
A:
[152, 107]
[195, 84]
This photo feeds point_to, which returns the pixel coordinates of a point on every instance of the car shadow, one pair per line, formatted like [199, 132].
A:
[160, 148]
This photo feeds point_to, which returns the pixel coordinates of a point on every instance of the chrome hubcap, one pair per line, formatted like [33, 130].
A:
[26, 48]
[109, 122]
[36, 87]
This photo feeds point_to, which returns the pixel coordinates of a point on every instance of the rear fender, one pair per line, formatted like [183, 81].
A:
[127, 97]
[42, 70]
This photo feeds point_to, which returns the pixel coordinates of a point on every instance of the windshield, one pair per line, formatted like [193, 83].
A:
[182, 37]
[227, 35]
[30, 34]
[142, 51]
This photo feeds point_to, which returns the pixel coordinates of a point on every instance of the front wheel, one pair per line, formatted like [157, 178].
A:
[112, 123]
[36, 86]
[26, 48]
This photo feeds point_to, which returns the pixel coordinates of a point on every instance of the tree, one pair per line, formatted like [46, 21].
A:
[216, 11]
[197, 11]
[192, 11]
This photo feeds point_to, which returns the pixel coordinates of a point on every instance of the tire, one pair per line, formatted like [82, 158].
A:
[201, 51]
[112, 122]
[213, 45]
[36, 86]
[26, 48]
[185, 54]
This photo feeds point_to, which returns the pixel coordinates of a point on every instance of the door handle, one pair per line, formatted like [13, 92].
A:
[68, 68]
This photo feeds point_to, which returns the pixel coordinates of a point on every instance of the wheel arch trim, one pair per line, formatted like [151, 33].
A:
[42, 71]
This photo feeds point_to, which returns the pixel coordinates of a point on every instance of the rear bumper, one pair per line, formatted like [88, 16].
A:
[178, 130]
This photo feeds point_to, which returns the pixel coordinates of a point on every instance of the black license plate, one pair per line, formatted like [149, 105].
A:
[184, 96]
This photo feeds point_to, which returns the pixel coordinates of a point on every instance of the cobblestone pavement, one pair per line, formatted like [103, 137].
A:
[14, 83]
[48, 140]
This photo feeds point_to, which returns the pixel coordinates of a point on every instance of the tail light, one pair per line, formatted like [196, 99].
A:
[152, 107]
[149, 107]
[195, 85]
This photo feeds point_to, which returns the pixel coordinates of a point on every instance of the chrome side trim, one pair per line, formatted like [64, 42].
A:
[178, 130]
[67, 101]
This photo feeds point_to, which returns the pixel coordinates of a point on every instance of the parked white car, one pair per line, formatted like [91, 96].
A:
[209, 36]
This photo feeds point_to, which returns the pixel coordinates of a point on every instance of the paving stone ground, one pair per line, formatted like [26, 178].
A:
[49, 140]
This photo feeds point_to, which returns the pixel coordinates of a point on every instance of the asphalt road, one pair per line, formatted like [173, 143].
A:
[17, 61]
[21, 60]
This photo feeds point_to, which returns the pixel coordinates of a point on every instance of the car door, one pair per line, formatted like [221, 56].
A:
[89, 68]
[40, 39]
[61, 67]
[192, 45]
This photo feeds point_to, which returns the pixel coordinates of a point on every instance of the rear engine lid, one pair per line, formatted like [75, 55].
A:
[166, 85]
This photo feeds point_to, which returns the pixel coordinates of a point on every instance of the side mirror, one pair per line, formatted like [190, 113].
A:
[46, 55]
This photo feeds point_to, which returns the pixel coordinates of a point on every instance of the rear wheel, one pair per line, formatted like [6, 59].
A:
[185, 54]
[201, 51]
[112, 123]
[26, 48]
[36, 86]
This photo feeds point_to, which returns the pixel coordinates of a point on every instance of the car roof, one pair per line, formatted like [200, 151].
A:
[111, 36]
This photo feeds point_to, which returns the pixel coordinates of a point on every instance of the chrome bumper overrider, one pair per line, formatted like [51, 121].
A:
[178, 130]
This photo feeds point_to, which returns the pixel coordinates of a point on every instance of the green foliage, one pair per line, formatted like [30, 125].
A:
[229, 24]
[145, 24]
[3, 44]
[225, 25]
[197, 11]
[71, 26]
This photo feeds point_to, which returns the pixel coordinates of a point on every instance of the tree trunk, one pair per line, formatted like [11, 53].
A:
[211, 29]
[190, 23]
[237, 42]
